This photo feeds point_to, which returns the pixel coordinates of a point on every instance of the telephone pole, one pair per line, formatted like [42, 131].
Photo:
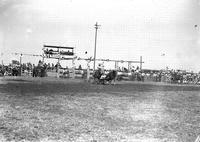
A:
[95, 44]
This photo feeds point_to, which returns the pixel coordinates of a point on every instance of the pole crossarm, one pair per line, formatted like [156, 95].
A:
[37, 55]
[64, 47]
[108, 60]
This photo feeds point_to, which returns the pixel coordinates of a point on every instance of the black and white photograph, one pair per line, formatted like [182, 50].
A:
[99, 70]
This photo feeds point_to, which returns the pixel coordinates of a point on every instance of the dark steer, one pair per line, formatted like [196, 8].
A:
[111, 76]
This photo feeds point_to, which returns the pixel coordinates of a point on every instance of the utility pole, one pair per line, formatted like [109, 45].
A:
[95, 45]
[2, 59]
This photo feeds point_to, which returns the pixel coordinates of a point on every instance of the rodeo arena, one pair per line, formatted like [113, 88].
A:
[86, 102]
[99, 76]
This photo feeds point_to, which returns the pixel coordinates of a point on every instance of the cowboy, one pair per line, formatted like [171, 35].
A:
[101, 68]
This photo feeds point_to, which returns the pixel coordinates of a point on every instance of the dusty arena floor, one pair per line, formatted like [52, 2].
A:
[76, 111]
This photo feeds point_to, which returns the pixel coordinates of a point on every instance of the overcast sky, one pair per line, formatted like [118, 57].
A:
[129, 29]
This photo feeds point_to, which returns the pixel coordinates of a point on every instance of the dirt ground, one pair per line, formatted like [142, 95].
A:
[65, 110]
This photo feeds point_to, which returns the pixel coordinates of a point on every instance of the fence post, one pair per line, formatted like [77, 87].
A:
[73, 69]
[140, 62]
[88, 71]
[58, 68]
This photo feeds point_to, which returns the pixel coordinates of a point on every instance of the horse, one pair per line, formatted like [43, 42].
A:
[39, 71]
[97, 76]
[15, 71]
[110, 77]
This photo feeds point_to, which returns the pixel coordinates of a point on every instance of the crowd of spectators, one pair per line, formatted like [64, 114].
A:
[168, 76]
[25, 68]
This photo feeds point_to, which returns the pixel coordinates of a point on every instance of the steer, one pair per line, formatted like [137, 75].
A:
[111, 76]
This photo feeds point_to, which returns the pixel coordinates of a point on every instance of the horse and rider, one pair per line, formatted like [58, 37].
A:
[101, 78]
[39, 70]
